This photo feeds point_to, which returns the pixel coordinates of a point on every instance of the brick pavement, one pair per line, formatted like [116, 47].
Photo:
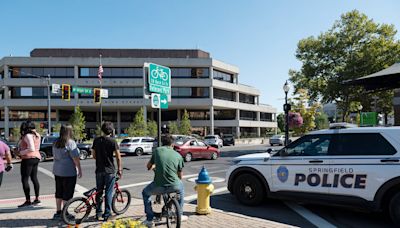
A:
[40, 216]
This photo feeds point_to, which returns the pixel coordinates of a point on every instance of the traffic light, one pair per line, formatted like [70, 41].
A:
[66, 92]
[97, 95]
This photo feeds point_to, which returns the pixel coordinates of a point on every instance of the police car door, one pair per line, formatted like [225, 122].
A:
[361, 163]
[300, 166]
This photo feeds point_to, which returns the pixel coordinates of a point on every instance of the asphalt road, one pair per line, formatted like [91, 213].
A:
[137, 177]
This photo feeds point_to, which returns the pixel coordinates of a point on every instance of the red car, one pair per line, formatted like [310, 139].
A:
[192, 148]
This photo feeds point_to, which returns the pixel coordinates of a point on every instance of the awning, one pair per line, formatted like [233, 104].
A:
[386, 79]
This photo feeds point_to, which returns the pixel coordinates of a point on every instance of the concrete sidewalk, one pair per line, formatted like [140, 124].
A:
[41, 216]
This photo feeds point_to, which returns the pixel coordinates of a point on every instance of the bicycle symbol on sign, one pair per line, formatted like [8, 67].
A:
[158, 72]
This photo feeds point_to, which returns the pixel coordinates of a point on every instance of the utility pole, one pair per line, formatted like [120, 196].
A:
[48, 105]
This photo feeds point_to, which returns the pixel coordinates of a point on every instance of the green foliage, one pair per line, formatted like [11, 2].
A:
[152, 128]
[98, 130]
[41, 131]
[355, 46]
[321, 121]
[57, 127]
[173, 128]
[16, 134]
[281, 122]
[308, 111]
[78, 123]
[138, 127]
[185, 127]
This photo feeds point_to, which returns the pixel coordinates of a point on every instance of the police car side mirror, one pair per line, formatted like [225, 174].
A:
[283, 152]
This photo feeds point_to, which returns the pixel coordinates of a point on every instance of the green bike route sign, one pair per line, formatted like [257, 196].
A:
[159, 78]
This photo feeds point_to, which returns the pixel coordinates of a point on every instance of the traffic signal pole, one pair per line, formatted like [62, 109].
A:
[159, 127]
[48, 105]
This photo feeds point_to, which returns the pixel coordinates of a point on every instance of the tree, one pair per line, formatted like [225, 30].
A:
[41, 131]
[57, 128]
[78, 123]
[16, 134]
[173, 128]
[281, 122]
[138, 127]
[152, 128]
[321, 121]
[355, 46]
[306, 109]
[185, 127]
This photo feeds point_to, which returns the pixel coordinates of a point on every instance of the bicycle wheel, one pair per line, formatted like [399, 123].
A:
[154, 73]
[76, 210]
[121, 201]
[173, 213]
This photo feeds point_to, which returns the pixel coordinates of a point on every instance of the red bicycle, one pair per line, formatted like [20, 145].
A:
[77, 209]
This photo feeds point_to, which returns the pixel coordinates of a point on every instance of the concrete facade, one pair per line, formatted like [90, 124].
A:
[15, 90]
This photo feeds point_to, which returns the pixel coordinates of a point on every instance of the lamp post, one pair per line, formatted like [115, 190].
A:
[286, 108]
[360, 107]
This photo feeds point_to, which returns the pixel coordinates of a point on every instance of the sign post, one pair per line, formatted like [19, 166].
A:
[159, 79]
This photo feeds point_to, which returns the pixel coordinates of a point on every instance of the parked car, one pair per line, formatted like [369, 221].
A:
[277, 140]
[137, 145]
[228, 139]
[213, 140]
[46, 148]
[192, 149]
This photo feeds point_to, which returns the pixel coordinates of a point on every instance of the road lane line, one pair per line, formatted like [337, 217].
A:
[308, 215]
[194, 196]
[183, 177]
[78, 188]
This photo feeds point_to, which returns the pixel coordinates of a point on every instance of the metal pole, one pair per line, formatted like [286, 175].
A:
[287, 121]
[48, 105]
[101, 105]
[159, 127]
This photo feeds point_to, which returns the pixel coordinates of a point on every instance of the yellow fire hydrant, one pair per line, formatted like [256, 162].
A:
[204, 189]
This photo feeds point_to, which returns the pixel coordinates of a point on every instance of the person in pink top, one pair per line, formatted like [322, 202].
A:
[29, 145]
[4, 152]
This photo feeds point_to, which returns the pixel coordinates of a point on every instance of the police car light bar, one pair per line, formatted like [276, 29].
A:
[341, 125]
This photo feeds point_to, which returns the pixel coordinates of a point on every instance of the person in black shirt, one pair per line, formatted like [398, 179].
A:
[103, 149]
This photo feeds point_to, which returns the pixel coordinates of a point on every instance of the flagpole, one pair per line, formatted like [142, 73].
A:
[101, 100]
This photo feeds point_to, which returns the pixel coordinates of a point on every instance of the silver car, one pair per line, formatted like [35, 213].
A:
[137, 145]
[277, 140]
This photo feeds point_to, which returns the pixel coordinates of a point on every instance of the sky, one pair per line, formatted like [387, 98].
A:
[258, 36]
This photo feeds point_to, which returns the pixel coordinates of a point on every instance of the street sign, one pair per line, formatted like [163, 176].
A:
[81, 90]
[159, 79]
[155, 100]
[55, 88]
[104, 93]
[369, 119]
[164, 101]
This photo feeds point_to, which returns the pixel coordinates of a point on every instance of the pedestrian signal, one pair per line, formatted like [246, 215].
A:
[97, 95]
[66, 92]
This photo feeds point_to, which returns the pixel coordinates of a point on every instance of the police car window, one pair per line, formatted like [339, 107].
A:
[362, 144]
[148, 140]
[310, 145]
[201, 144]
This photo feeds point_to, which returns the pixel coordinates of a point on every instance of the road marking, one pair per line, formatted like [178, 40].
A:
[308, 215]
[194, 196]
[183, 177]
[78, 188]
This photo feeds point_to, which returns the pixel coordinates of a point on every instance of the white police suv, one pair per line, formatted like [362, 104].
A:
[346, 166]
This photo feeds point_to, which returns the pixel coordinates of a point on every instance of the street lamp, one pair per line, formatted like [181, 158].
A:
[286, 108]
[360, 107]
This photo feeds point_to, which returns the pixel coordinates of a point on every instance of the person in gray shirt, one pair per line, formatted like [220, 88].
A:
[66, 163]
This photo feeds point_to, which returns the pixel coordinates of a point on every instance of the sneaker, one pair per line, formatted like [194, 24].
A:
[25, 204]
[184, 218]
[148, 223]
[36, 202]
[56, 216]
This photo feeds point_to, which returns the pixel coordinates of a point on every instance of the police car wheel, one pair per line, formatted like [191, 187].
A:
[394, 209]
[138, 151]
[249, 190]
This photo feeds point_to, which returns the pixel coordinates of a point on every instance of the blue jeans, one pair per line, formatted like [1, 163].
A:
[152, 189]
[104, 181]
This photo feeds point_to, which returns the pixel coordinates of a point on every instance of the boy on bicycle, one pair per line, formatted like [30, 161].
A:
[168, 165]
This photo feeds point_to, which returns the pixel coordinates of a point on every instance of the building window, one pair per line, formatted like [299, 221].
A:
[245, 98]
[190, 92]
[90, 116]
[225, 114]
[248, 115]
[15, 115]
[222, 76]
[248, 132]
[169, 115]
[190, 72]
[32, 72]
[118, 92]
[110, 116]
[111, 72]
[224, 130]
[65, 115]
[198, 114]
[224, 95]
[264, 116]
[127, 116]
[33, 93]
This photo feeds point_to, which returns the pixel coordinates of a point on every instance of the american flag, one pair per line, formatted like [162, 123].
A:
[100, 72]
